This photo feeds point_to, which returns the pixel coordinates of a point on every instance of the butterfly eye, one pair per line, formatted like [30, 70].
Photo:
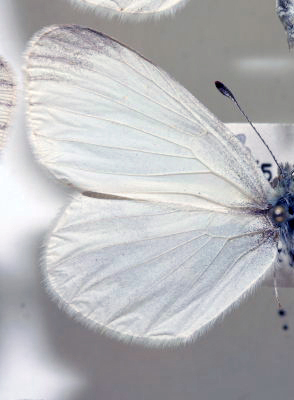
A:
[279, 214]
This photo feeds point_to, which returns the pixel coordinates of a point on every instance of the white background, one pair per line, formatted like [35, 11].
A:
[46, 355]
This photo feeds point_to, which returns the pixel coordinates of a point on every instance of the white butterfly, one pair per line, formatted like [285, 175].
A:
[132, 8]
[7, 99]
[182, 231]
[285, 11]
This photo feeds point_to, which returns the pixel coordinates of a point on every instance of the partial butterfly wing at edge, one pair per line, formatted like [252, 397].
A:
[285, 11]
[132, 8]
[105, 120]
[7, 99]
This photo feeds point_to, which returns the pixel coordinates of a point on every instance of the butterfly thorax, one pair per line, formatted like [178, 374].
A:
[282, 208]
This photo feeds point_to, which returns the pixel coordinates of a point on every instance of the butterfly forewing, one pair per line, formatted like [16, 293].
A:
[105, 120]
[120, 125]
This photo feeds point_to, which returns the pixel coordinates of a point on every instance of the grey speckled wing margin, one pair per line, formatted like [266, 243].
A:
[7, 98]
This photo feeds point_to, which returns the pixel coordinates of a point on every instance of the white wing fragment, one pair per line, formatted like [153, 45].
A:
[192, 237]
[153, 272]
[132, 8]
[120, 125]
[7, 99]
[285, 11]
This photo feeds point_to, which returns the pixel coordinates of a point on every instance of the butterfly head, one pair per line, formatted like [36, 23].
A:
[279, 214]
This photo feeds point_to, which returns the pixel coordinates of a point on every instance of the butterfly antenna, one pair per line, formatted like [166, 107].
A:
[226, 92]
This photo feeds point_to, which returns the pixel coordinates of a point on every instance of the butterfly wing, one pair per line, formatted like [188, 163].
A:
[285, 11]
[7, 98]
[132, 8]
[105, 120]
[153, 272]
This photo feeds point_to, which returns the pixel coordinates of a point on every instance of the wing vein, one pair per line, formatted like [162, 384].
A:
[115, 147]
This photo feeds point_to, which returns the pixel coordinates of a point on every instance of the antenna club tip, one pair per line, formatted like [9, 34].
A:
[218, 84]
[224, 90]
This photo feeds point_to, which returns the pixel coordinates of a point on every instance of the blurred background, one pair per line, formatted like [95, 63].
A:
[44, 354]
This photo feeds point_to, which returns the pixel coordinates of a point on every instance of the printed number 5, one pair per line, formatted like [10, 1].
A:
[266, 170]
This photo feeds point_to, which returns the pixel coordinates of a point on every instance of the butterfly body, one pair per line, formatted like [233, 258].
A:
[282, 210]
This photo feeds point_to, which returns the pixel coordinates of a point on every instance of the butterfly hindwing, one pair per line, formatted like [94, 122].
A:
[153, 272]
